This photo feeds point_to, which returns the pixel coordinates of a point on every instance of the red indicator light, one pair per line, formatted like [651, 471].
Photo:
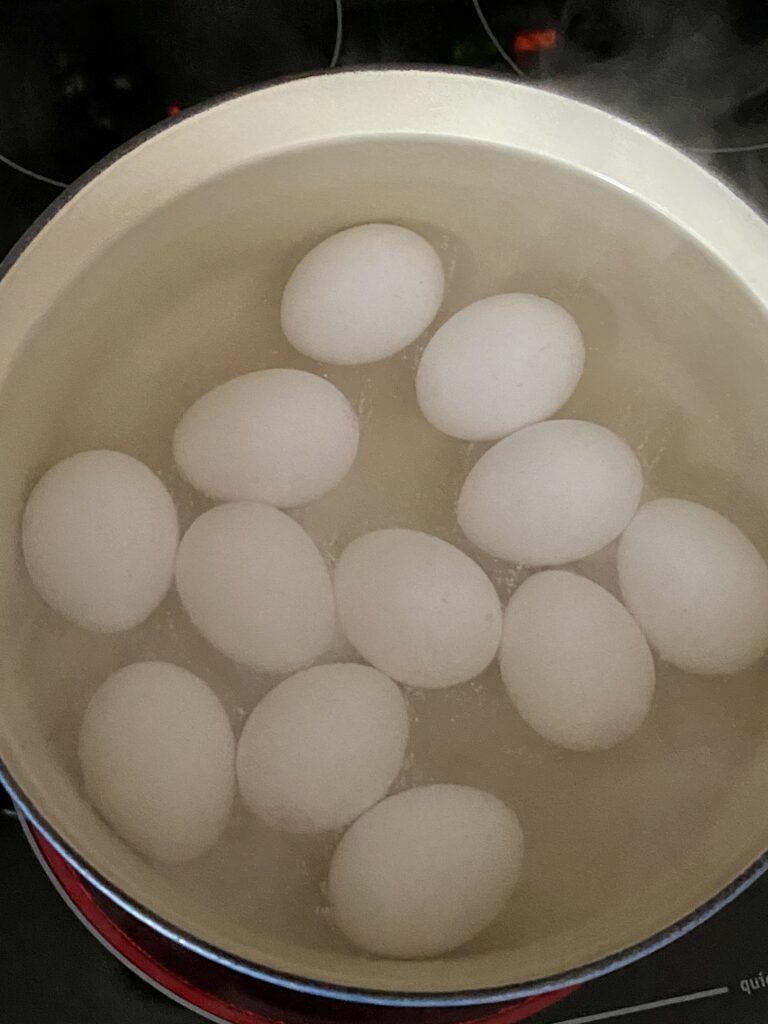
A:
[173, 110]
[533, 40]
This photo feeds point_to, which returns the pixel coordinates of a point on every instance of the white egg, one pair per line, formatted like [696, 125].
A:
[322, 747]
[283, 437]
[99, 535]
[362, 294]
[498, 365]
[425, 871]
[696, 585]
[417, 608]
[551, 493]
[158, 759]
[574, 662]
[256, 587]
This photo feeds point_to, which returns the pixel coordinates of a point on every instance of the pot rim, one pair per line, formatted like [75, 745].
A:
[730, 248]
[77, 895]
[464, 997]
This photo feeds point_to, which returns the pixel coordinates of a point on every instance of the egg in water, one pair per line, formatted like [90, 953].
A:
[551, 493]
[99, 536]
[574, 662]
[157, 755]
[257, 588]
[697, 586]
[425, 871]
[417, 608]
[322, 747]
[362, 295]
[498, 365]
[283, 437]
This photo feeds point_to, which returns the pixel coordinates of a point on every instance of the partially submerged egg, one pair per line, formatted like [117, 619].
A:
[498, 365]
[362, 295]
[254, 584]
[99, 535]
[574, 662]
[417, 608]
[283, 437]
[322, 747]
[425, 871]
[157, 754]
[697, 586]
[551, 493]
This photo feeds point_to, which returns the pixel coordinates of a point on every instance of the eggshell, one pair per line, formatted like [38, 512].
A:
[99, 535]
[157, 755]
[257, 588]
[697, 586]
[322, 747]
[362, 294]
[283, 437]
[551, 493]
[574, 662]
[498, 365]
[425, 871]
[417, 608]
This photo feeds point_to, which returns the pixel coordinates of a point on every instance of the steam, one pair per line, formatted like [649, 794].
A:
[682, 73]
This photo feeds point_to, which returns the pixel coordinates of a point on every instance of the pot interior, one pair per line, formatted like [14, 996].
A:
[620, 844]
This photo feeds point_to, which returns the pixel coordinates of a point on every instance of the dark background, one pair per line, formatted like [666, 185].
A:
[79, 77]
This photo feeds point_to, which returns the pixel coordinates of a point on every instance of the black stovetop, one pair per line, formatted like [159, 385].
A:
[77, 77]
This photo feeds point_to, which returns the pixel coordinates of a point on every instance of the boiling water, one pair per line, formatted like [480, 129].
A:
[600, 827]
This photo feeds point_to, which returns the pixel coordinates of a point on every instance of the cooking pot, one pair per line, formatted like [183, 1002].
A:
[159, 274]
